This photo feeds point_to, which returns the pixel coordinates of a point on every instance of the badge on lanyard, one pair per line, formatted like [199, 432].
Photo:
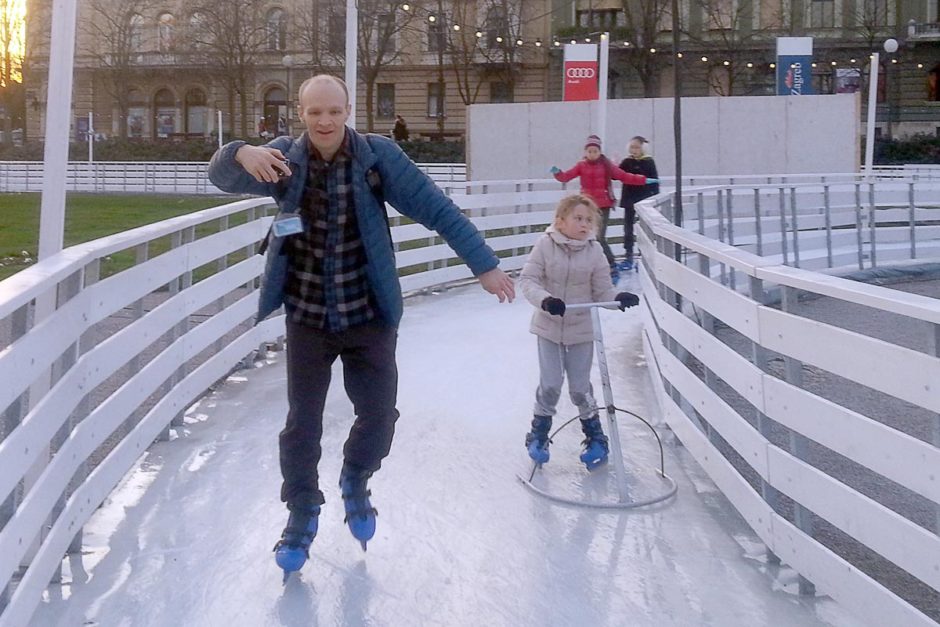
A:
[287, 226]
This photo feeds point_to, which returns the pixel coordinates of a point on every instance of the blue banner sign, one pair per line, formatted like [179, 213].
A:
[794, 66]
[794, 75]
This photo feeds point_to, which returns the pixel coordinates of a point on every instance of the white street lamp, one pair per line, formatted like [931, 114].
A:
[288, 62]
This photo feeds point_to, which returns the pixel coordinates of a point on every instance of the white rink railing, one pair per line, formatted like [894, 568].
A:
[104, 345]
[157, 177]
[730, 344]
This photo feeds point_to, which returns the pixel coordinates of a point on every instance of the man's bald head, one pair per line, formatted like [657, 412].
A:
[323, 107]
[320, 79]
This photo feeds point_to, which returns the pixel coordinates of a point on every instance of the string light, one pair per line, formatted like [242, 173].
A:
[518, 41]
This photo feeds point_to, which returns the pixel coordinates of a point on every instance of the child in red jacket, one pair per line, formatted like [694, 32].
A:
[596, 172]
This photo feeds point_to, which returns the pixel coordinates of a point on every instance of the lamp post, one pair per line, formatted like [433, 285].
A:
[288, 62]
[890, 46]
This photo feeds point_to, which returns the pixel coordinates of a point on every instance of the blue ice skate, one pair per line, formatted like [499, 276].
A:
[595, 443]
[293, 549]
[536, 440]
[626, 265]
[614, 275]
[360, 515]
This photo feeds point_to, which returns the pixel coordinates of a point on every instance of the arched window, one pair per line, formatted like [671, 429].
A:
[164, 107]
[276, 25]
[197, 113]
[166, 24]
[275, 106]
[135, 32]
[136, 114]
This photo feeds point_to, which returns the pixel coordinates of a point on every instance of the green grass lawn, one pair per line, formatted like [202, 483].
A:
[87, 216]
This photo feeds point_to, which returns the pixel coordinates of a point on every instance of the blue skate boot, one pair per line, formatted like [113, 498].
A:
[595, 443]
[626, 265]
[360, 515]
[536, 440]
[614, 275]
[293, 549]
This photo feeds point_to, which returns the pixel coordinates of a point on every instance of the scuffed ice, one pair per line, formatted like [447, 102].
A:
[187, 540]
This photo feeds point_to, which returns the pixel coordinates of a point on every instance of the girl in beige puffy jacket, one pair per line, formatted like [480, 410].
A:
[567, 265]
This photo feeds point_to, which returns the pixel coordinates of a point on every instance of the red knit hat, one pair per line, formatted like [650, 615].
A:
[593, 140]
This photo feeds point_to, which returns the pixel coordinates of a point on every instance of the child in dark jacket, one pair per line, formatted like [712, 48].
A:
[596, 173]
[638, 162]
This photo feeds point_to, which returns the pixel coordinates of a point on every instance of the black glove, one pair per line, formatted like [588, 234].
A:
[626, 299]
[554, 306]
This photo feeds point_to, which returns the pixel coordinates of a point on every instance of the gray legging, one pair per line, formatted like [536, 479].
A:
[556, 360]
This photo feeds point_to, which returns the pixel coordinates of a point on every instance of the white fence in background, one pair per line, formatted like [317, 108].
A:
[739, 272]
[104, 345]
[159, 177]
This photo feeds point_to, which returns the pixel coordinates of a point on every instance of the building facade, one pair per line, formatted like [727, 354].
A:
[174, 69]
[162, 71]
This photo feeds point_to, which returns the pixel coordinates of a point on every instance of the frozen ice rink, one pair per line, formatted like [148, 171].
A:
[187, 537]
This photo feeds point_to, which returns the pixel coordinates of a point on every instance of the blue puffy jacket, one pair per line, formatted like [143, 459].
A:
[404, 186]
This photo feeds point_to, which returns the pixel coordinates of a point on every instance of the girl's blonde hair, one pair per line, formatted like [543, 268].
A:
[567, 204]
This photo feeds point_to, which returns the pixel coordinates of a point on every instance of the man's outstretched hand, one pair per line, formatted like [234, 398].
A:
[497, 282]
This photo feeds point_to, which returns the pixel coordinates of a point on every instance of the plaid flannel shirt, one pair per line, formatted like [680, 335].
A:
[327, 286]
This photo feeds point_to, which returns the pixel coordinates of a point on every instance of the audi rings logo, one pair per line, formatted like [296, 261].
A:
[580, 72]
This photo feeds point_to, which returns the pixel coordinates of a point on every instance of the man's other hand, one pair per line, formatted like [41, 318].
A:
[497, 282]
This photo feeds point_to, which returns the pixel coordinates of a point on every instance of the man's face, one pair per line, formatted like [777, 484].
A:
[324, 111]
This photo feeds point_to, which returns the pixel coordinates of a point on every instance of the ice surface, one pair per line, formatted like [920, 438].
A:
[187, 539]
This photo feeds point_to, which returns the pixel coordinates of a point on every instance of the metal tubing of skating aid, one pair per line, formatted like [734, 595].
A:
[609, 405]
[608, 394]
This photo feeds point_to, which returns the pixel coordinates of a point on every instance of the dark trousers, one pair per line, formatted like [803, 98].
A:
[371, 379]
[602, 236]
[628, 237]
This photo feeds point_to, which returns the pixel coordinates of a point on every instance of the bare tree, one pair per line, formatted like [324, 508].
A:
[114, 37]
[464, 51]
[380, 24]
[643, 21]
[870, 21]
[309, 24]
[11, 60]
[502, 28]
[728, 34]
[230, 36]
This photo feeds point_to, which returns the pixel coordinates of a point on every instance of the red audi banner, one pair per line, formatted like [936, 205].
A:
[581, 72]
